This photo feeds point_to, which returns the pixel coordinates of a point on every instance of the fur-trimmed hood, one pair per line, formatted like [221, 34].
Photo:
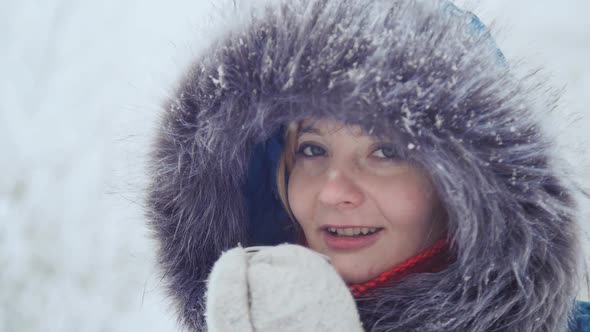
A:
[421, 73]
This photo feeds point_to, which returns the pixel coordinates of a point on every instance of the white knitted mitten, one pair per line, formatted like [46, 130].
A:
[286, 288]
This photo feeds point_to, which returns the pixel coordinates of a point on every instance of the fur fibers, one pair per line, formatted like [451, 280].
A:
[415, 72]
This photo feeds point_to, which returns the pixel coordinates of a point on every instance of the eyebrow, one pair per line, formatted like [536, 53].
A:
[309, 129]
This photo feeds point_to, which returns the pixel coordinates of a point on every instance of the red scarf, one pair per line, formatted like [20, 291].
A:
[433, 259]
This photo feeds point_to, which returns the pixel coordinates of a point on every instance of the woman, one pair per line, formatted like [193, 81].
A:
[407, 152]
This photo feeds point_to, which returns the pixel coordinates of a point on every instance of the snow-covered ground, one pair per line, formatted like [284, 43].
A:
[80, 87]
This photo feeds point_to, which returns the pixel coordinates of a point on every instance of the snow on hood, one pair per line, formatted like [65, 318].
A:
[422, 73]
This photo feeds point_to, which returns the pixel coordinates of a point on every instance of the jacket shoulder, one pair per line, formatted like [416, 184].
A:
[582, 317]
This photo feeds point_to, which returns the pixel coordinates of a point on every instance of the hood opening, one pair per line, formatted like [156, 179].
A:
[268, 222]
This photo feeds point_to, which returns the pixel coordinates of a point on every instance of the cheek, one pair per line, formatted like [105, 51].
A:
[300, 196]
[409, 202]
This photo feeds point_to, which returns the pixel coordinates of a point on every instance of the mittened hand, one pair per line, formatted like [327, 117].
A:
[284, 288]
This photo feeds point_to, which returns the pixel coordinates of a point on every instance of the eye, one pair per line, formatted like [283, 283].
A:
[385, 152]
[311, 150]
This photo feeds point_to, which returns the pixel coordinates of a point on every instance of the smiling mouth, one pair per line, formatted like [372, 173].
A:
[352, 231]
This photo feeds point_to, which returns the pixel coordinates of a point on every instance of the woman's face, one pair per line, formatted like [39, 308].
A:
[357, 202]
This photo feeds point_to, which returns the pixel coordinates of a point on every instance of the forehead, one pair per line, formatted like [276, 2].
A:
[325, 127]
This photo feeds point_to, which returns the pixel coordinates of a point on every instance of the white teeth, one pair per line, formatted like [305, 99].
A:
[352, 231]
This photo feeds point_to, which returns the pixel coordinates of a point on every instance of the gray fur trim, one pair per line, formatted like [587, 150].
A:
[412, 71]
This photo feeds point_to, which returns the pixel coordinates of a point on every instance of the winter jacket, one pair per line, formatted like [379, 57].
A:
[422, 73]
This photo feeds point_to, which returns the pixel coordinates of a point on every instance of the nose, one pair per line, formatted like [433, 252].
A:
[339, 190]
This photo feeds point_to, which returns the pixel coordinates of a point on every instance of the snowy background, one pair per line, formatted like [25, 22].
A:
[80, 87]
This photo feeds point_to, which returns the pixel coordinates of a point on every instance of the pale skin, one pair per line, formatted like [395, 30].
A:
[344, 178]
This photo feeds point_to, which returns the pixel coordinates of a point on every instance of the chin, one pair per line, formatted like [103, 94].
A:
[352, 267]
[351, 272]
[354, 277]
